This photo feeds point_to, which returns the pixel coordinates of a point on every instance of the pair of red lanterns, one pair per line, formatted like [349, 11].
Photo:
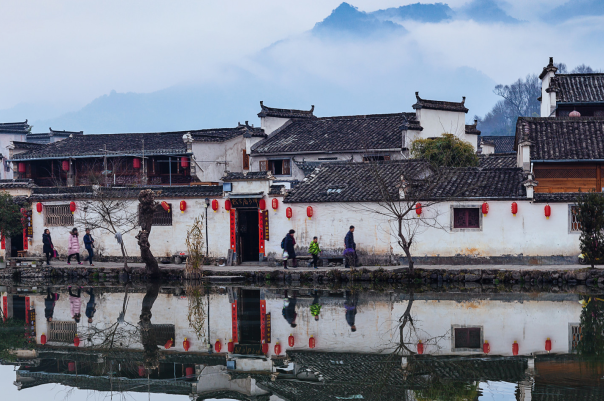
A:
[40, 207]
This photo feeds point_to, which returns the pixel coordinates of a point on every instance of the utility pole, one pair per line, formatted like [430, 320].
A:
[105, 164]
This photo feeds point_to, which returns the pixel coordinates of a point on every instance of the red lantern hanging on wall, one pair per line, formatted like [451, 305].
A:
[184, 162]
[548, 345]
[277, 348]
[165, 205]
[418, 208]
[21, 167]
[215, 205]
[290, 340]
[486, 347]
[261, 204]
[231, 346]
[136, 163]
[275, 203]
[228, 205]
[548, 211]
[76, 341]
[485, 209]
[39, 207]
[43, 339]
[65, 165]
[72, 207]
[183, 206]
[309, 212]
[169, 343]
[288, 213]
[420, 348]
[515, 348]
[217, 346]
[514, 208]
[311, 342]
[186, 344]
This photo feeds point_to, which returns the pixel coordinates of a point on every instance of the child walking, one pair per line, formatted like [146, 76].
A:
[314, 250]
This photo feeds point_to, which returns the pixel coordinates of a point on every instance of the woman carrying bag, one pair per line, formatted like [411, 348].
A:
[48, 247]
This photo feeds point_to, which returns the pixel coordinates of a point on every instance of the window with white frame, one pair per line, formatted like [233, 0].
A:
[573, 222]
[466, 218]
[58, 215]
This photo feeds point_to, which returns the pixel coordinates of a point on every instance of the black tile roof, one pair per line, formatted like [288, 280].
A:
[307, 167]
[564, 197]
[439, 104]
[562, 138]
[225, 134]
[5, 184]
[341, 134]
[353, 182]
[472, 130]
[578, 88]
[502, 143]
[497, 160]
[276, 189]
[55, 132]
[285, 113]
[27, 145]
[15, 128]
[86, 192]
[251, 175]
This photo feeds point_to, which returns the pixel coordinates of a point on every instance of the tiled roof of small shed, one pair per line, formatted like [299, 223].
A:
[578, 88]
[285, 113]
[502, 143]
[439, 104]
[225, 134]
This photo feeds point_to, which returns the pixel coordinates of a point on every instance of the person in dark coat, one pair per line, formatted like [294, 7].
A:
[89, 245]
[289, 309]
[350, 253]
[48, 247]
[351, 309]
[49, 304]
[91, 305]
[290, 243]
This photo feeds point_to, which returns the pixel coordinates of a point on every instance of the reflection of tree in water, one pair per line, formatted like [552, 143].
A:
[591, 343]
[151, 350]
[197, 309]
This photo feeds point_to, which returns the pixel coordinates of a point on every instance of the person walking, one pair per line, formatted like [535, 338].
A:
[75, 304]
[91, 305]
[314, 251]
[49, 304]
[289, 252]
[351, 249]
[350, 305]
[74, 246]
[89, 245]
[48, 248]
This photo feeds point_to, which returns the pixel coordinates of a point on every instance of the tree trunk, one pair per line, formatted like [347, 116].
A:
[151, 351]
[126, 267]
[147, 207]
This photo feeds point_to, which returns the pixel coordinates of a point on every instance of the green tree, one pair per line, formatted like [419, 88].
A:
[12, 336]
[591, 343]
[10, 215]
[590, 216]
[445, 151]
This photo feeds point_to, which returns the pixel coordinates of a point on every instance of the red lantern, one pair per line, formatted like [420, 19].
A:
[262, 204]
[420, 348]
[217, 346]
[290, 340]
[264, 347]
[183, 206]
[288, 213]
[228, 205]
[548, 345]
[72, 207]
[548, 211]
[76, 341]
[186, 344]
[71, 366]
[22, 167]
[184, 162]
[485, 209]
[136, 163]
[418, 208]
[515, 348]
[275, 203]
[142, 372]
[65, 165]
[169, 344]
[231, 346]
[39, 207]
[165, 205]
[309, 212]
[190, 372]
[43, 339]
[486, 347]
[311, 342]
[215, 205]
[277, 348]
[514, 208]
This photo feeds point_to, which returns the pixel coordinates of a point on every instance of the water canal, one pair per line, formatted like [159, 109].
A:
[175, 341]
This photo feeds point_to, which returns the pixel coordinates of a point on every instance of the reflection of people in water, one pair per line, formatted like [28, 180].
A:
[149, 340]
[49, 304]
[350, 305]
[289, 309]
[315, 308]
[91, 305]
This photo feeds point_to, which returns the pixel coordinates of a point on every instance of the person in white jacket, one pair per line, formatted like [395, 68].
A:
[73, 246]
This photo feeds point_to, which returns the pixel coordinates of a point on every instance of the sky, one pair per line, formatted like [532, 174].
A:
[57, 57]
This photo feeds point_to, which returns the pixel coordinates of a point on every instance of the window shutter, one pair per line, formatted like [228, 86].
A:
[263, 165]
[286, 169]
[246, 160]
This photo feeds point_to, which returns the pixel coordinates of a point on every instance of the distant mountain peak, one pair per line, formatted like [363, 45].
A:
[435, 12]
[485, 11]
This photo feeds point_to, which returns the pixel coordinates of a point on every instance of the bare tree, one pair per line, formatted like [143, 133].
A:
[195, 248]
[147, 208]
[106, 212]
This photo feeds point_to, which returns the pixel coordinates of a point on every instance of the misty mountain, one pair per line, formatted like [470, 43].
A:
[485, 11]
[436, 12]
[574, 9]
[347, 20]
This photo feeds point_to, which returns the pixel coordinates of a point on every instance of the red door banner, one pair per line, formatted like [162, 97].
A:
[3, 243]
[262, 321]
[4, 308]
[261, 231]
[26, 310]
[234, 322]
[233, 231]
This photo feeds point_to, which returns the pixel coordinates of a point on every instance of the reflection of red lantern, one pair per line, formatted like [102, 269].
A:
[264, 347]
[169, 344]
[39, 207]
[420, 348]
[184, 162]
[22, 167]
[142, 372]
[290, 340]
[515, 348]
[165, 205]
[190, 372]
[183, 206]
[215, 205]
[76, 341]
[71, 366]
[311, 342]
[548, 211]
[288, 213]
[309, 212]
[186, 344]
[486, 347]
[261, 204]
[228, 205]
[72, 207]
[43, 339]
[277, 348]
[514, 208]
[548, 345]
[418, 208]
[217, 346]
[485, 209]
[231, 346]
[65, 165]
[275, 203]
[136, 163]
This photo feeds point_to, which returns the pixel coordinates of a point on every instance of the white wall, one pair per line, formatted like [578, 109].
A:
[548, 100]
[270, 124]
[211, 158]
[5, 140]
[438, 122]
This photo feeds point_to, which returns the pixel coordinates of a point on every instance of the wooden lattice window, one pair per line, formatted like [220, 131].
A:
[62, 332]
[161, 217]
[246, 160]
[58, 215]
[575, 226]
[467, 337]
[575, 336]
[466, 217]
